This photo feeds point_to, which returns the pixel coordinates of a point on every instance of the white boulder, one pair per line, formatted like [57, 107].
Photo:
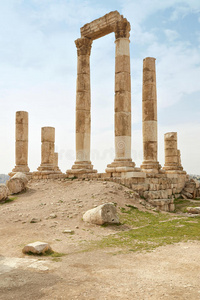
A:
[37, 248]
[105, 213]
[17, 183]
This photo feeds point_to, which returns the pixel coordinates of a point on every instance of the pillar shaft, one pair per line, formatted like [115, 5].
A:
[55, 162]
[123, 159]
[180, 167]
[171, 151]
[47, 149]
[149, 116]
[83, 108]
[21, 142]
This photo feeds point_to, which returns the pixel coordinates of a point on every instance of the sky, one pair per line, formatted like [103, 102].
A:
[38, 63]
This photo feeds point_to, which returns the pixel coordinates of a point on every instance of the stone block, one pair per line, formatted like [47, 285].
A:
[123, 124]
[17, 183]
[149, 92]
[21, 132]
[83, 100]
[21, 152]
[102, 214]
[122, 48]
[149, 110]
[150, 152]
[123, 101]
[4, 192]
[149, 131]
[83, 121]
[83, 66]
[83, 82]
[122, 82]
[122, 64]
[21, 117]
[48, 134]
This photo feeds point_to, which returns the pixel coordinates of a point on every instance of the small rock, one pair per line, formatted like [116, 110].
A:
[37, 248]
[193, 210]
[53, 216]
[35, 220]
[68, 231]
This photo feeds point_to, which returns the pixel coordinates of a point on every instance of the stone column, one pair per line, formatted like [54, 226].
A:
[180, 167]
[47, 149]
[21, 142]
[171, 152]
[122, 161]
[83, 107]
[55, 162]
[149, 116]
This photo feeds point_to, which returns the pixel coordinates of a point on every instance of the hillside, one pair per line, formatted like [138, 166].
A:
[95, 262]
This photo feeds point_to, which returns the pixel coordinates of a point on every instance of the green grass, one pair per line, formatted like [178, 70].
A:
[48, 253]
[182, 204]
[148, 231]
[8, 200]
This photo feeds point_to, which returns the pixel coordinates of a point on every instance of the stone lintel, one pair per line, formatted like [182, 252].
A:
[111, 22]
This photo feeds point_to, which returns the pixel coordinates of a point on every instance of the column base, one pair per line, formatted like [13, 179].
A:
[169, 170]
[150, 166]
[46, 168]
[81, 167]
[121, 165]
[21, 168]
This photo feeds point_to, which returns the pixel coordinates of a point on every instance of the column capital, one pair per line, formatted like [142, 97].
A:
[122, 29]
[84, 46]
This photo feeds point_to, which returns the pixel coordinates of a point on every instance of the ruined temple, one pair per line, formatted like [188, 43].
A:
[158, 185]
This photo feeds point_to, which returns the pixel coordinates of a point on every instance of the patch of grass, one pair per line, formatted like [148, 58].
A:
[149, 231]
[182, 204]
[8, 200]
[48, 253]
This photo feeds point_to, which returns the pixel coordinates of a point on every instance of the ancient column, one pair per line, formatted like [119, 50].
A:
[171, 153]
[47, 149]
[149, 116]
[122, 161]
[55, 162]
[180, 167]
[21, 142]
[83, 107]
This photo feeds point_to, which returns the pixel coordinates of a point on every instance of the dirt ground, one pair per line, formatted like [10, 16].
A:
[170, 272]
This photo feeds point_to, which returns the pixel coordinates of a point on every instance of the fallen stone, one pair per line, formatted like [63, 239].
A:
[193, 210]
[4, 192]
[35, 220]
[188, 195]
[68, 231]
[105, 213]
[37, 248]
[17, 183]
[53, 216]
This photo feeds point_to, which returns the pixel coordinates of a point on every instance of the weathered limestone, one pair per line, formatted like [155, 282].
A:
[21, 142]
[17, 183]
[47, 149]
[4, 192]
[102, 26]
[171, 153]
[149, 116]
[123, 161]
[105, 213]
[180, 167]
[55, 162]
[37, 248]
[83, 107]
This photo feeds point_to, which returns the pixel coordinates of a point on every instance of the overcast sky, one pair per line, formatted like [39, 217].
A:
[38, 74]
